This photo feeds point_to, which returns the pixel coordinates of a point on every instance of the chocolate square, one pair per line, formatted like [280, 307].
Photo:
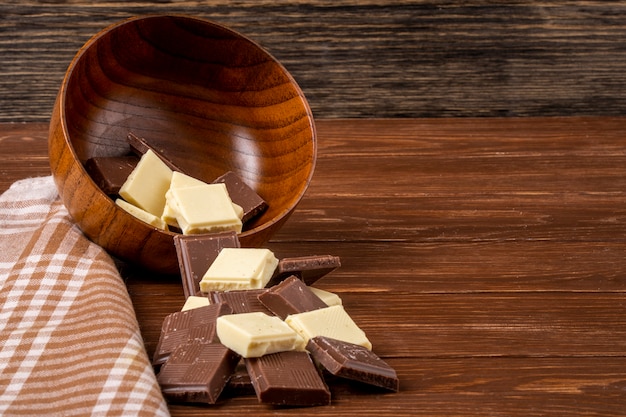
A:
[308, 268]
[287, 378]
[110, 172]
[291, 296]
[182, 326]
[197, 372]
[351, 361]
[242, 195]
[196, 253]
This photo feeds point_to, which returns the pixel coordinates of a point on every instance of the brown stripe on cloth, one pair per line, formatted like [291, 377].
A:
[69, 340]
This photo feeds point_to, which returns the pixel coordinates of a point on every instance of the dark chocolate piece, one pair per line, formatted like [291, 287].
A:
[291, 296]
[287, 378]
[351, 361]
[140, 146]
[182, 326]
[308, 268]
[241, 301]
[242, 195]
[197, 372]
[196, 253]
[110, 172]
[239, 382]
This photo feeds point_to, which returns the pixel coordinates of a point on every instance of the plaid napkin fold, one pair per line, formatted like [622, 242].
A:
[69, 340]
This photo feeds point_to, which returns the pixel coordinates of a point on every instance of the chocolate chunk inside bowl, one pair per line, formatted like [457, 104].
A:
[207, 98]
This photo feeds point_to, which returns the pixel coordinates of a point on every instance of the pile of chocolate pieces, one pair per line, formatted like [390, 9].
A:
[194, 366]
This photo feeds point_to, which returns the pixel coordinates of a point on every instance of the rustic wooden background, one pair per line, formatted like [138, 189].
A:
[361, 58]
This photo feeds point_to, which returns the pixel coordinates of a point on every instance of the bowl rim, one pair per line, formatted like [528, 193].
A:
[270, 223]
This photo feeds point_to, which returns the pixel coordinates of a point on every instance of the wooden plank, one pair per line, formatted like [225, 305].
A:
[467, 387]
[505, 180]
[461, 216]
[433, 325]
[24, 152]
[470, 266]
[401, 58]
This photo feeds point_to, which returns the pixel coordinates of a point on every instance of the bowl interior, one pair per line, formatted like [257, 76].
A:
[209, 98]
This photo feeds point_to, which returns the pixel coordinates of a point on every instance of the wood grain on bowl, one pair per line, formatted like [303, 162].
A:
[211, 99]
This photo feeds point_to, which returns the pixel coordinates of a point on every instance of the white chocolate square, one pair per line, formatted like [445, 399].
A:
[252, 335]
[239, 269]
[169, 215]
[195, 302]
[330, 298]
[203, 209]
[142, 215]
[332, 322]
[179, 180]
[238, 210]
[147, 184]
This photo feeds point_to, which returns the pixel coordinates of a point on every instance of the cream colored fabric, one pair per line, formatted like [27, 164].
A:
[70, 343]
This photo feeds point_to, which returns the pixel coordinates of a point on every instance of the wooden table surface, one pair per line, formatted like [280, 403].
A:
[484, 258]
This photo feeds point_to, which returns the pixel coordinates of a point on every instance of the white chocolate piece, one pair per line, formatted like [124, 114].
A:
[147, 184]
[180, 180]
[169, 215]
[194, 301]
[203, 209]
[239, 269]
[142, 215]
[329, 298]
[239, 210]
[252, 335]
[332, 322]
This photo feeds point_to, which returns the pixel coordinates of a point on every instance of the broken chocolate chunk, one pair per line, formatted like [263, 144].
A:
[287, 378]
[183, 326]
[291, 296]
[140, 146]
[110, 172]
[241, 301]
[197, 371]
[242, 195]
[239, 382]
[196, 253]
[308, 268]
[351, 361]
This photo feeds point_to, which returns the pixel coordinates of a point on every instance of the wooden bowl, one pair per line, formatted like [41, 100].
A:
[211, 99]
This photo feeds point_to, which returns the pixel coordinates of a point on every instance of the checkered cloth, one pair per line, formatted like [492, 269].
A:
[69, 339]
